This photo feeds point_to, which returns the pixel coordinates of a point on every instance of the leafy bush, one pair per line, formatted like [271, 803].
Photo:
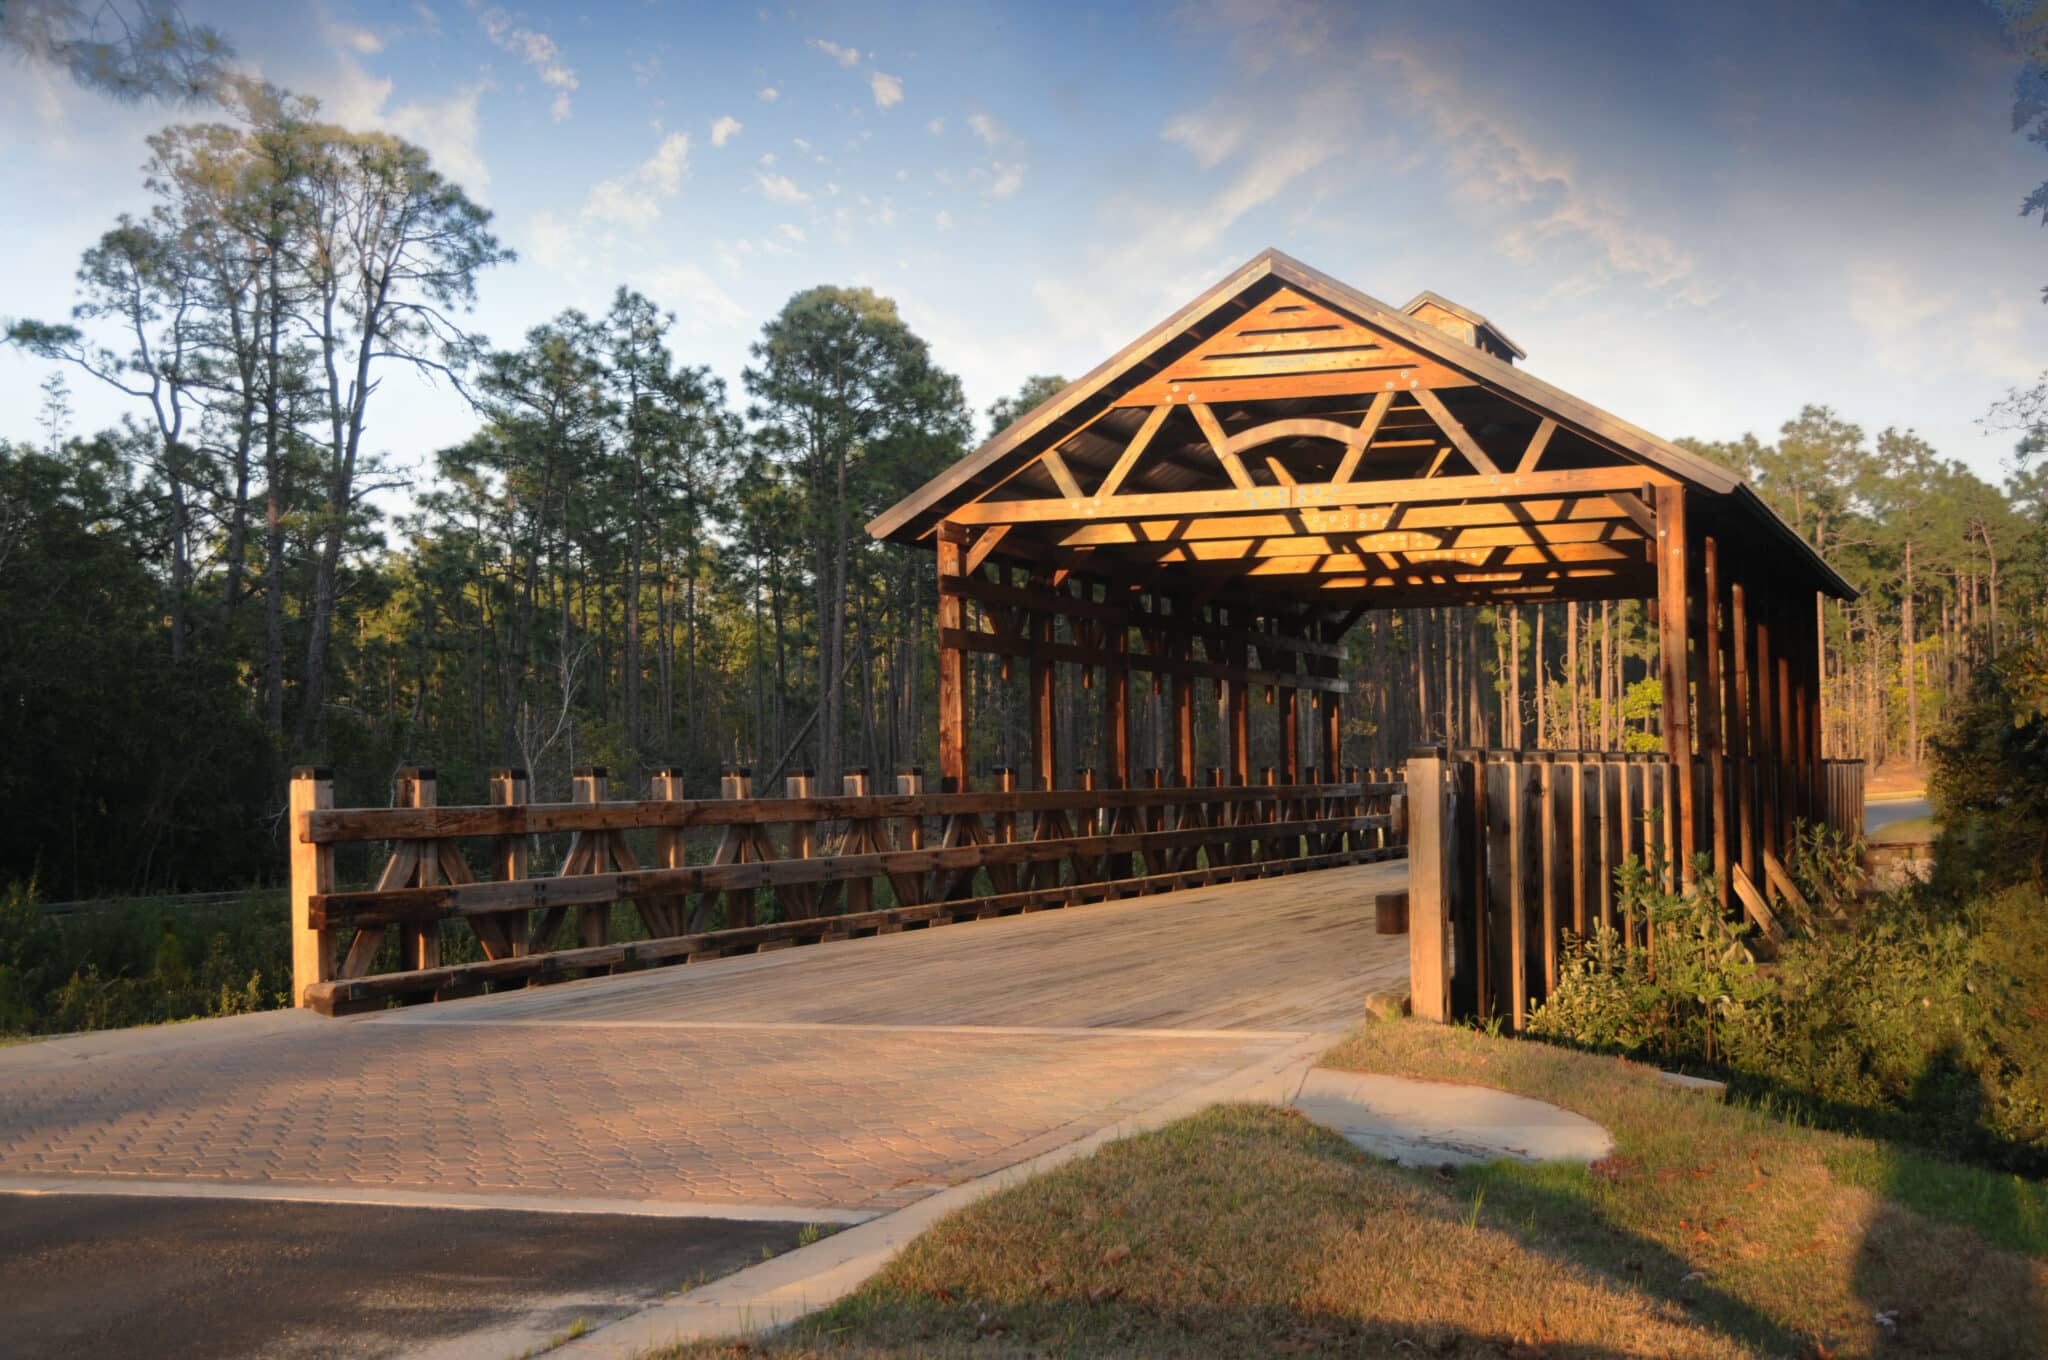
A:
[1989, 777]
[137, 964]
[1679, 1000]
[1908, 1016]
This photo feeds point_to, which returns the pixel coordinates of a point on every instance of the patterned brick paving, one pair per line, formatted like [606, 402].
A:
[804, 1097]
[856, 1119]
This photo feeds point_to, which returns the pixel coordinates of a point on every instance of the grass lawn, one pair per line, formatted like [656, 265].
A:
[1712, 1231]
[1907, 830]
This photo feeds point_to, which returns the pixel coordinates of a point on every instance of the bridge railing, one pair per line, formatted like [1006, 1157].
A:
[479, 897]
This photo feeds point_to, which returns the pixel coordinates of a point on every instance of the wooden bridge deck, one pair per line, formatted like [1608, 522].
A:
[831, 1081]
[1293, 953]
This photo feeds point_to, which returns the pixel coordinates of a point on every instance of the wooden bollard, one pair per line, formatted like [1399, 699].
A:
[1390, 913]
[313, 952]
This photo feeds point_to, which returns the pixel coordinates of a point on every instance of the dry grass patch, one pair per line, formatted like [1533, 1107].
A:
[1712, 1231]
[1241, 1231]
[1792, 1239]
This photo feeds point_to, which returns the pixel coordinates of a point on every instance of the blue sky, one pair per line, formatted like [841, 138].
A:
[1697, 216]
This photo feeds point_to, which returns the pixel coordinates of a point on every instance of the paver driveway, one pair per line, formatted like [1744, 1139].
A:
[828, 1082]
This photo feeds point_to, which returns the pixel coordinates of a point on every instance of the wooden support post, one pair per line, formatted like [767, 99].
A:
[1238, 735]
[1548, 779]
[1044, 746]
[1116, 703]
[1581, 848]
[1742, 724]
[508, 788]
[1184, 716]
[665, 785]
[1711, 718]
[313, 951]
[1477, 835]
[909, 836]
[1290, 734]
[1517, 772]
[952, 551]
[1788, 703]
[1430, 871]
[860, 838]
[799, 901]
[1002, 830]
[419, 943]
[593, 923]
[1673, 581]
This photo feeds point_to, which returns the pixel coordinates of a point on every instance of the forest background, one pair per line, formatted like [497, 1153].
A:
[630, 564]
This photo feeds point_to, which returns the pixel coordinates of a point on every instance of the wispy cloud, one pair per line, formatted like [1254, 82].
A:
[780, 189]
[724, 129]
[849, 57]
[888, 90]
[536, 49]
[635, 201]
[358, 40]
[767, 94]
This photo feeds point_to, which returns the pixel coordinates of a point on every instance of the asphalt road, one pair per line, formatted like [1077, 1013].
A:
[114, 1275]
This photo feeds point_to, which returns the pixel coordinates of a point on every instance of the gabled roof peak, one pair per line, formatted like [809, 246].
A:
[1437, 310]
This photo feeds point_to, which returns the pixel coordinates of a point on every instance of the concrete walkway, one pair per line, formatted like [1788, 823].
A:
[817, 1085]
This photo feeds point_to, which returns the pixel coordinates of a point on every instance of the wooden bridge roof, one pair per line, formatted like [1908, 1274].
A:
[1288, 437]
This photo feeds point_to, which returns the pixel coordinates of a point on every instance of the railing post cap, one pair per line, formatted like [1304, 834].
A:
[1000, 770]
[589, 772]
[509, 772]
[668, 772]
[860, 770]
[1426, 753]
[422, 773]
[313, 772]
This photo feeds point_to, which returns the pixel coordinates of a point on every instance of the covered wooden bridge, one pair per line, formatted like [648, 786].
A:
[1211, 509]
[1221, 501]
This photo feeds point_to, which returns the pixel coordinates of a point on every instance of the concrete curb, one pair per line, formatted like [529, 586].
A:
[780, 1291]
[393, 1198]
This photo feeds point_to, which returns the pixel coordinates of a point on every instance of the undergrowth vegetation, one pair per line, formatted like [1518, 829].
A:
[138, 963]
[1920, 1013]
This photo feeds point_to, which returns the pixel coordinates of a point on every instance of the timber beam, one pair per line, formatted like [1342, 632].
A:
[1311, 496]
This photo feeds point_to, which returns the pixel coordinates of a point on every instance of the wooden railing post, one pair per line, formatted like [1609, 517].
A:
[589, 784]
[419, 944]
[508, 788]
[1430, 873]
[862, 837]
[909, 836]
[672, 911]
[313, 952]
[799, 901]
[1002, 830]
[736, 783]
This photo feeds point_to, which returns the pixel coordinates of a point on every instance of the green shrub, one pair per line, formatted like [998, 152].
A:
[1905, 1016]
[134, 964]
[1684, 999]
